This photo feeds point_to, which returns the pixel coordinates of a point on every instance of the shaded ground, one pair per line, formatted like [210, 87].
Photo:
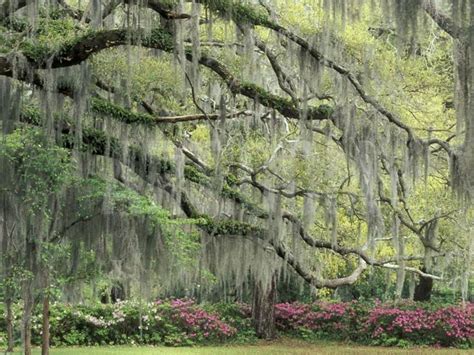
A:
[285, 346]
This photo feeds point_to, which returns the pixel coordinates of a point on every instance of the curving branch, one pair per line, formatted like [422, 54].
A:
[322, 244]
[311, 279]
[445, 22]
[92, 43]
[279, 190]
[252, 16]
[146, 166]
[284, 81]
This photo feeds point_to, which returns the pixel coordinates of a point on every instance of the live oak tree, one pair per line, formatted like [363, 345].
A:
[222, 144]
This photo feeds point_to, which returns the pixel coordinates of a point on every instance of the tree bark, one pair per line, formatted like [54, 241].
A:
[424, 288]
[263, 310]
[28, 297]
[45, 329]
[7, 266]
[9, 321]
[27, 312]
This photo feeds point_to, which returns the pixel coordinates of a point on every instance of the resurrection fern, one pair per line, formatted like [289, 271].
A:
[238, 12]
[108, 109]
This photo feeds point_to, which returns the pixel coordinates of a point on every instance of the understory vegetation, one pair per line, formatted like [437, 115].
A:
[181, 322]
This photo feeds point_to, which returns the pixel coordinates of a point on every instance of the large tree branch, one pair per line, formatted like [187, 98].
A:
[148, 167]
[95, 42]
[311, 279]
[284, 80]
[149, 164]
[445, 22]
[326, 244]
[252, 16]
[283, 106]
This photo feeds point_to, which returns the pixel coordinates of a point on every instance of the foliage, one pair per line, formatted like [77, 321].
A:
[183, 245]
[180, 322]
[445, 326]
[172, 322]
[41, 168]
[380, 324]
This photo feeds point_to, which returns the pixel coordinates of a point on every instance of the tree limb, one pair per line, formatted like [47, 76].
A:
[445, 22]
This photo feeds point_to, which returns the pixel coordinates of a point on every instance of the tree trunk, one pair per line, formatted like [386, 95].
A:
[45, 334]
[411, 287]
[9, 322]
[424, 288]
[7, 266]
[28, 296]
[27, 312]
[425, 285]
[263, 310]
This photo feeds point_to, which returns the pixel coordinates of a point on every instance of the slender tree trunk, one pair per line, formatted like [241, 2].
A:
[9, 321]
[27, 312]
[263, 310]
[28, 296]
[411, 287]
[7, 265]
[45, 334]
[9, 317]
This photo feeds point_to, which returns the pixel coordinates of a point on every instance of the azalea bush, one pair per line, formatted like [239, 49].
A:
[170, 322]
[181, 322]
[197, 324]
[380, 324]
[323, 316]
[447, 326]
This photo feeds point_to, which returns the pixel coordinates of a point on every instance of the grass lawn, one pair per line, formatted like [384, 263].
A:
[282, 346]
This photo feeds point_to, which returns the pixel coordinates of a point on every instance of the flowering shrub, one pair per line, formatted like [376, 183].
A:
[198, 324]
[405, 324]
[181, 322]
[447, 326]
[170, 322]
[320, 316]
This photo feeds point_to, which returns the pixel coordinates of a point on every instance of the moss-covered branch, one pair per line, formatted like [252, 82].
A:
[97, 142]
[252, 15]
[147, 167]
[106, 108]
[83, 47]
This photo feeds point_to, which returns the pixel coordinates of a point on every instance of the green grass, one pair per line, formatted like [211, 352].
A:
[285, 346]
